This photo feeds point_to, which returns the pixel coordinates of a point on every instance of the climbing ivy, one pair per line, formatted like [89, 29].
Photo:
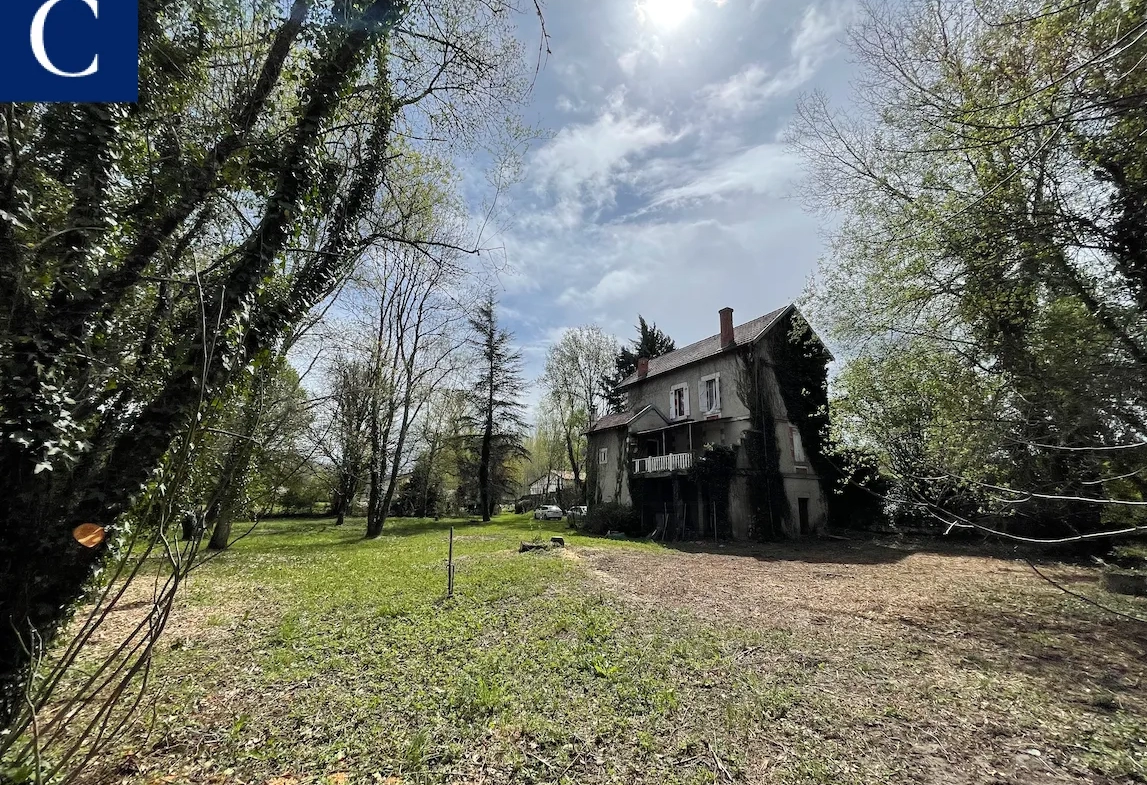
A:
[800, 364]
[768, 510]
[713, 472]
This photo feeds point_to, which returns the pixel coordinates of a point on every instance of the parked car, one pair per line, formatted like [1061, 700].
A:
[578, 512]
[548, 512]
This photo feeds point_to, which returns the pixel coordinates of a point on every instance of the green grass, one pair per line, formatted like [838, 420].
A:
[309, 655]
[325, 654]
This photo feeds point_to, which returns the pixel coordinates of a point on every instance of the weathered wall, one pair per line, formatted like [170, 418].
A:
[655, 390]
[606, 474]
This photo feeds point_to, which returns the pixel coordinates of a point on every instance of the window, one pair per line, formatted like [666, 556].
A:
[679, 402]
[603, 455]
[798, 446]
[711, 394]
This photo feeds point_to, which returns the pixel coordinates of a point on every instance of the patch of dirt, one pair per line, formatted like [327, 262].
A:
[937, 668]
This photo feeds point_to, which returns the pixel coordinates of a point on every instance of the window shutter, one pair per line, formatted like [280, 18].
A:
[798, 447]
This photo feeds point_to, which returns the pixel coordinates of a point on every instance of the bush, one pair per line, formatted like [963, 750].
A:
[612, 517]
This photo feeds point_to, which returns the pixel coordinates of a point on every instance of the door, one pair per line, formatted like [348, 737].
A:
[802, 514]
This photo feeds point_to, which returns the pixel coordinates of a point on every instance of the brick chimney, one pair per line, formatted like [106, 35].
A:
[642, 367]
[726, 327]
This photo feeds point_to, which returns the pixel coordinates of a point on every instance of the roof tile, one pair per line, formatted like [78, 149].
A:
[742, 334]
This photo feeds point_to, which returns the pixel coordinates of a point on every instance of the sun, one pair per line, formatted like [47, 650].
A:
[665, 14]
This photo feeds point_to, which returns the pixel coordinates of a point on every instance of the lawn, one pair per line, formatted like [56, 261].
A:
[308, 655]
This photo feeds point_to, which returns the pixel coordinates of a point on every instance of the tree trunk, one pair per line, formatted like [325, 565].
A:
[233, 476]
[484, 469]
[430, 456]
[229, 493]
[578, 491]
[345, 492]
[374, 520]
[396, 463]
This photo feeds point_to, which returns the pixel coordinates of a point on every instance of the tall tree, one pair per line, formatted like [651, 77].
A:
[575, 366]
[496, 411]
[650, 342]
[150, 253]
[414, 351]
[989, 193]
[343, 438]
[272, 415]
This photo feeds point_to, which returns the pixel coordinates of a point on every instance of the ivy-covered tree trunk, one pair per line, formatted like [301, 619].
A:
[116, 439]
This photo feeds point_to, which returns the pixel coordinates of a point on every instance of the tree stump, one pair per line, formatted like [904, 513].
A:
[1124, 582]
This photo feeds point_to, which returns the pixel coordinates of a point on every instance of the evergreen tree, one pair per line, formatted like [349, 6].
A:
[650, 342]
[496, 414]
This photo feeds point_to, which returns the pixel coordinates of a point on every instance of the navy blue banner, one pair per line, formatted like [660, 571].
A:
[69, 50]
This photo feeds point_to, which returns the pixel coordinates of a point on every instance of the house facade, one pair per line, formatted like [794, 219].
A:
[550, 483]
[738, 401]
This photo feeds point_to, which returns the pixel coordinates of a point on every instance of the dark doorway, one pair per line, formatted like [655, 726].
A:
[802, 514]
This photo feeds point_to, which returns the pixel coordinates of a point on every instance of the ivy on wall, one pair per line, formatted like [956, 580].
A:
[768, 509]
[713, 471]
[592, 480]
[800, 363]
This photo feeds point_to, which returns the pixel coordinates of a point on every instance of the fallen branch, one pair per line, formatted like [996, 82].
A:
[1079, 596]
[717, 760]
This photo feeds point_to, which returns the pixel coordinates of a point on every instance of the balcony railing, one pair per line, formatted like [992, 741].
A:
[678, 461]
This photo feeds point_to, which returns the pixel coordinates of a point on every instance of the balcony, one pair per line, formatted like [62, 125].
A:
[674, 462]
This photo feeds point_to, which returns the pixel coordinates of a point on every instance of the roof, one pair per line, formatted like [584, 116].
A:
[612, 421]
[565, 475]
[620, 419]
[708, 347]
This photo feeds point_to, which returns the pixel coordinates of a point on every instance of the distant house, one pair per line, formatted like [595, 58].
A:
[550, 483]
[742, 396]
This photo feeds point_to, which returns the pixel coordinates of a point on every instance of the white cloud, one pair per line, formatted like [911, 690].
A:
[820, 28]
[579, 165]
[614, 286]
[815, 41]
[628, 61]
[765, 169]
[744, 91]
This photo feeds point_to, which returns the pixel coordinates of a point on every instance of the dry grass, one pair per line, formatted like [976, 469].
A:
[925, 667]
[309, 656]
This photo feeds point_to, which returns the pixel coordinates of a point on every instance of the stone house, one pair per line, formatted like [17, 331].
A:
[751, 399]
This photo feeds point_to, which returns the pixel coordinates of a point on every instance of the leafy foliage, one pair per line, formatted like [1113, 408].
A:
[605, 517]
[150, 253]
[986, 280]
[650, 342]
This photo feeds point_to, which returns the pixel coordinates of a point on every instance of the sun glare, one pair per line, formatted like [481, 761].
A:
[665, 14]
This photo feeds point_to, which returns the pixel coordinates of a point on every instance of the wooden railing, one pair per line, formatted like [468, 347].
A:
[678, 461]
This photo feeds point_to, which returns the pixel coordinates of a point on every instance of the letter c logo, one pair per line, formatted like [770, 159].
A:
[38, 49]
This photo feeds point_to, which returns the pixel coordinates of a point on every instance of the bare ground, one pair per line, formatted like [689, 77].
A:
[924, 667]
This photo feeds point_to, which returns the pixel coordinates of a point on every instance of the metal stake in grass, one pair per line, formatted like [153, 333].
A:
[450, 567]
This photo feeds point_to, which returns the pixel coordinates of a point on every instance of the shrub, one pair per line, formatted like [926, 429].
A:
[612, 516]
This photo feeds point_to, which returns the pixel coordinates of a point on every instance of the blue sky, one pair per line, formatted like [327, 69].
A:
[664, 186]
